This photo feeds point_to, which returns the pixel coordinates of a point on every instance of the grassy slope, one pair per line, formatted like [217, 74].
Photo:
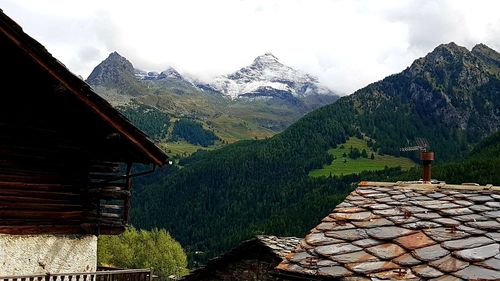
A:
[183, 148]
[355, 166]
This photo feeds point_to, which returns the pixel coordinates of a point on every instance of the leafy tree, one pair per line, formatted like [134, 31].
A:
[354, 153]
[364, 154]
[154, 249]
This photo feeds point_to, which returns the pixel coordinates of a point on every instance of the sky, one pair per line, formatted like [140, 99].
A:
[346, 44]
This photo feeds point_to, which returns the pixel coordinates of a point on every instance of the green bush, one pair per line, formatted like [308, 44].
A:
[154, 249]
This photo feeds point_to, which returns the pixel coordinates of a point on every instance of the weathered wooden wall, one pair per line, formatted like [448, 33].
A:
[57, 158]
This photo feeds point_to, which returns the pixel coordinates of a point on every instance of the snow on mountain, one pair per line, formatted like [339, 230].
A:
[170, 73]
[266, 76]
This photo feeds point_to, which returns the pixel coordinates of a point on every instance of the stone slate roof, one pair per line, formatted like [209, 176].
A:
[398, 231]
[281, 246]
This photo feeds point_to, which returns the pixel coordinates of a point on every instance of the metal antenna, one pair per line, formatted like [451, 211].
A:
[422, 145]
[426, 156]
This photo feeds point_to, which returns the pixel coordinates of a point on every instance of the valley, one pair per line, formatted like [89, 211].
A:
[264, 186]
[255, 102]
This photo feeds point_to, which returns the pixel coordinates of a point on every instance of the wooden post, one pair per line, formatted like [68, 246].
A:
[126, 206]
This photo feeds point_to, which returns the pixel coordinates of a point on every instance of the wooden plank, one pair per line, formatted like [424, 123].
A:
[34, 177]
[40, 214]
[40, 229]
[25, 199]
[39, 186]
[40, 206]
[41, 194]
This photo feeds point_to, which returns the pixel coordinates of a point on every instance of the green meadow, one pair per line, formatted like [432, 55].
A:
[344, 165]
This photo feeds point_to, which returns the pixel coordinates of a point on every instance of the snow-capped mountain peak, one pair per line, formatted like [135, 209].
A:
[169, 73]
[268, 77]
[266, 59]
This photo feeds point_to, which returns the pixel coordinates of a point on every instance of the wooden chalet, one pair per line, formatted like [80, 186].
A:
[66, 155]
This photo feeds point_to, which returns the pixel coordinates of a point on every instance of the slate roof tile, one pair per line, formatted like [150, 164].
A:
[430, 253]
[471, 217]
[370, 267]
[446, 221]
[414, 241]
[440, 234]
[368, 242]
[373, 223]
[484, 225]
[446, 278]
[334, 271]
[449, 264]
[386, 251]
[492, 263]
[427, 215]
[336, 249]
[406, 260]
[493, 204]
[467, 243]
[359, 256]
[478, 273]
[348, 234]
[387, 232]
[479, 253]
[494, 235]
[403, 219]
[456, 211]
[399, 231]
[334, 225]
[397, 274]
[426, 271]
[471, 230]
[319, 238]
[353, 216]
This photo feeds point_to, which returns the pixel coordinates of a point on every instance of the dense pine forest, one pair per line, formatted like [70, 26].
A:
[193, 132]
[149, 119]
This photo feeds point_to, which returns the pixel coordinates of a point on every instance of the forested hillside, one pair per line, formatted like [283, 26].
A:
[451, 97]
[147, 118]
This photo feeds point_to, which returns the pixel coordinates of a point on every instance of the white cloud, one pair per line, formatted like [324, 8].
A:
[347, 44]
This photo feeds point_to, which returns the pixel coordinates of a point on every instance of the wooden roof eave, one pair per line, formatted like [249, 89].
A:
[80, 90]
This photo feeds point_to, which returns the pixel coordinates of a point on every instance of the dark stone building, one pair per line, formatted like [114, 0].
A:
[254, 259]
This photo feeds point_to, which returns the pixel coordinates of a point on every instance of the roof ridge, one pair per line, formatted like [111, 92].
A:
[430, 186]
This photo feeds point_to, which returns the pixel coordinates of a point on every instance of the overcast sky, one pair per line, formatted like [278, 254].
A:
[346, 44]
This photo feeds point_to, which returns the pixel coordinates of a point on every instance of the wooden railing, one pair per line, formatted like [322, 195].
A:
[109, 275]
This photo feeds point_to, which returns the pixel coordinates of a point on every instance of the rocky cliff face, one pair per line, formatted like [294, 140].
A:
[116, 72]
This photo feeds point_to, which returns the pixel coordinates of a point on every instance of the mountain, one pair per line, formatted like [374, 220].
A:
[451, 97]
[268, 77]
[116, 72]
[168, 91]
